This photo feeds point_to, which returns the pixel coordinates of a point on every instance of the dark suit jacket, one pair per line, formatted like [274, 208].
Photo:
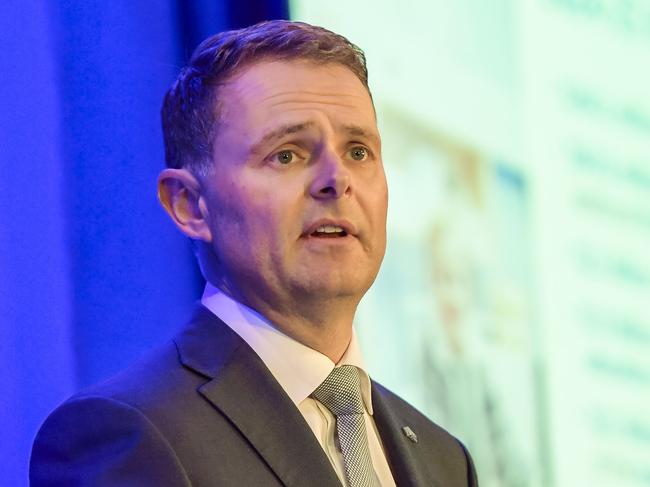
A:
[205, 411]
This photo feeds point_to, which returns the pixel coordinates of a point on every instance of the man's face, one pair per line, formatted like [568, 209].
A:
[297, 197]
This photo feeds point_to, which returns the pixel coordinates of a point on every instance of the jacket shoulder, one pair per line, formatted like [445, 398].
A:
[105, 431]
[95, 440]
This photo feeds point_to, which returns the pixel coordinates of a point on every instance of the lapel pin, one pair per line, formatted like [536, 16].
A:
[409, 434]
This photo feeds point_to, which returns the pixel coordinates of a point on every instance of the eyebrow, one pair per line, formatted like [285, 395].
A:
[292, 128]
[278, 133]
[358, 131]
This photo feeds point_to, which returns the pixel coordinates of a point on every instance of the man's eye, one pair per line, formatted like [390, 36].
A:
[284, 157]
[359, 153]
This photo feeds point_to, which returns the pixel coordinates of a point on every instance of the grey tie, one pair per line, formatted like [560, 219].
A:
[340, 392]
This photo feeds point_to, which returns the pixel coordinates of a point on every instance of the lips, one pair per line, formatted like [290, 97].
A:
[330, 228]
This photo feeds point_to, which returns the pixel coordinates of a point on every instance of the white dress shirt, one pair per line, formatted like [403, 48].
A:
[300, 370]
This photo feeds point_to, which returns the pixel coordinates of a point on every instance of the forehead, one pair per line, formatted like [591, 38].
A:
[296, 90]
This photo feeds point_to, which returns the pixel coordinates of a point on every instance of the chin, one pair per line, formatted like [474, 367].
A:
[334, 285]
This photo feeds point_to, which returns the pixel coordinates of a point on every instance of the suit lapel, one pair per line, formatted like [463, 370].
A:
[243, 389]
[401, 452]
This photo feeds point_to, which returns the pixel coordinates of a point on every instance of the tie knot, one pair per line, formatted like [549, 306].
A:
[340, 392]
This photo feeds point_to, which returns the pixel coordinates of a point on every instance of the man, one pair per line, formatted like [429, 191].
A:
[275, 172]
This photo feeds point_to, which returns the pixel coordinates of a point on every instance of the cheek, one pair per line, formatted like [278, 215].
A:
[378, 209]
[254, 219]
[379, 203]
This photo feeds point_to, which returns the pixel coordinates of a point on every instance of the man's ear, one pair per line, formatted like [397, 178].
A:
[179, 191]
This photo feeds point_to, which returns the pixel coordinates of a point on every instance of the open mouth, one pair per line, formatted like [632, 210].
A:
[329, 231]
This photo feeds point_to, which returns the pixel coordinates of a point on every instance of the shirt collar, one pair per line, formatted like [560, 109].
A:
[298, 368]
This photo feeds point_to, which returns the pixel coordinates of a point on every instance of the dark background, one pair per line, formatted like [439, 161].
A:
[92, 273]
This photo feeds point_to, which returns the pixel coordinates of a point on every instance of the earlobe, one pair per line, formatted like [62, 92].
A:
[179, 192]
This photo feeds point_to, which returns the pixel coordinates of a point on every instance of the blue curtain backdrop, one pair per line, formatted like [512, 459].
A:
[92, 274]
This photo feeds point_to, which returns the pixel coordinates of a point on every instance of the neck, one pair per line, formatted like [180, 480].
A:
[324, 325]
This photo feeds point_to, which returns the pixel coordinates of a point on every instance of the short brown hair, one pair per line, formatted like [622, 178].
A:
[190, 111]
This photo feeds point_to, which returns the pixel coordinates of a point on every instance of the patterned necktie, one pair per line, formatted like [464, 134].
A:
[340, 392]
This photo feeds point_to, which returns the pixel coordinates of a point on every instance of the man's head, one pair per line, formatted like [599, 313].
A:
[291, 207]
[191, 109]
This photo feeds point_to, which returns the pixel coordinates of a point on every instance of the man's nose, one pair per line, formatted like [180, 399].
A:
[332, 177]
